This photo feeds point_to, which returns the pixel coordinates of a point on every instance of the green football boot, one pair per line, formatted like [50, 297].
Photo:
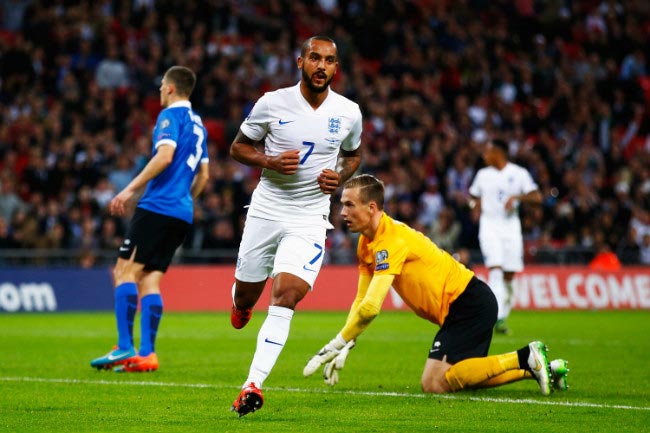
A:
[559, 371]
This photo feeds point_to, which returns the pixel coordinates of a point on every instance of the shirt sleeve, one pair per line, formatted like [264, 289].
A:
[368, 308]
[353, 140]
[166, 130]
[475, 187]
[362, 289]
[390, 255]
[205, 158]
[528, 184]
[256, 125]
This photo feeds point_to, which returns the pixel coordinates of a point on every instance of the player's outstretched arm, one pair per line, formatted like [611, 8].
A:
[155, 166]
[334, 353]
[322, 357]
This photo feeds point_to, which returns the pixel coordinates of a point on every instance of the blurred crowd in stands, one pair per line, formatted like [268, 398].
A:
[566, 83]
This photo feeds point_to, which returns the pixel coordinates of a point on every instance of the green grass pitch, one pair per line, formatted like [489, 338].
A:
[47, 385]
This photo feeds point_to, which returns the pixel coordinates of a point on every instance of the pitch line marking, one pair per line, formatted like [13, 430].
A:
[325, 391]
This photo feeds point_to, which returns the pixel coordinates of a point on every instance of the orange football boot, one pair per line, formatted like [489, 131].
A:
[239, 318]
[140, 364]
[249, 400]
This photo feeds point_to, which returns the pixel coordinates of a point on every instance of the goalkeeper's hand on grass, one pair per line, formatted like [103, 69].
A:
[325, 355]
[331, 370]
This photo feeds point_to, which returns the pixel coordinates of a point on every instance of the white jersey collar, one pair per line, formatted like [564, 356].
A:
[187, 104]
[306, 104]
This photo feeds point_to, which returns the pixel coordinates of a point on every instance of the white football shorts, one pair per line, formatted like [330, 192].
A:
[270, 247]
[505, 250]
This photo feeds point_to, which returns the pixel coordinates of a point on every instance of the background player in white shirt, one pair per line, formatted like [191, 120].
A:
[305, 130]
[498, 189]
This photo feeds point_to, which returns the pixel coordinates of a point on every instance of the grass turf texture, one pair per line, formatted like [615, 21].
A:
[47, 385]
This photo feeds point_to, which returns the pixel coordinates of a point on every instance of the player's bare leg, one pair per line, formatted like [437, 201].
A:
[244, 298]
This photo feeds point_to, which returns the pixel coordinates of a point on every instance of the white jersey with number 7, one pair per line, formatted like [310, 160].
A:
[286, 121]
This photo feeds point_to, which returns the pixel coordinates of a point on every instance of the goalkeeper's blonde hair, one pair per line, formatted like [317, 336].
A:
[370, 189]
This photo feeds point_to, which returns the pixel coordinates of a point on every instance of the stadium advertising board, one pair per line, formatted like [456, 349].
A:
[208, 288]
[48, 290]
[539, 287]
[544, 288]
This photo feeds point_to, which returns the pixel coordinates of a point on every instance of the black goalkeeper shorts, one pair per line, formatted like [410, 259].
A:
[467, 330]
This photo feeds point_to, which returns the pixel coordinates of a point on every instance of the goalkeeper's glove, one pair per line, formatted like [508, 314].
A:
[325, 355]
[331, 370]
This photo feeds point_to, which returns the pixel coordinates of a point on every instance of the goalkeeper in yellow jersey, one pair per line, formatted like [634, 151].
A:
[438, 289]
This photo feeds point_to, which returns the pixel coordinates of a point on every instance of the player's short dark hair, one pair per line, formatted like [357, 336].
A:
[184, 79]
[501, 144]
[370, 189]
[306, 46]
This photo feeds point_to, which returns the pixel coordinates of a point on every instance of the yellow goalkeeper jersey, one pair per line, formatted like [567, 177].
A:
[427, 278]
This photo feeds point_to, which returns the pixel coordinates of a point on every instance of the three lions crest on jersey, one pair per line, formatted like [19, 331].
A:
[286, 121]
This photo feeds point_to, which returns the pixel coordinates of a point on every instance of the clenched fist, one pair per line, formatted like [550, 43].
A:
[286, 162]
[328, 181]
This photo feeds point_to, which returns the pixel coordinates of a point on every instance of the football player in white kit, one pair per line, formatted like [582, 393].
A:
[311, 137]
[499, 189]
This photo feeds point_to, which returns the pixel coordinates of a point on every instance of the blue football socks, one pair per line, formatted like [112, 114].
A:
[151, 314]
[126, 304]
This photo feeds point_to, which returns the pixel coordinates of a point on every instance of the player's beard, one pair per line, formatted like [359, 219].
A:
[314, 88]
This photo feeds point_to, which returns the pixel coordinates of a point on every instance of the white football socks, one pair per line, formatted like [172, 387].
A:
[496, 283]
[270, 342]
[509, 296]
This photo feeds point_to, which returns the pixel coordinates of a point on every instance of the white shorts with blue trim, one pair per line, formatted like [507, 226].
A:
[270, 247]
